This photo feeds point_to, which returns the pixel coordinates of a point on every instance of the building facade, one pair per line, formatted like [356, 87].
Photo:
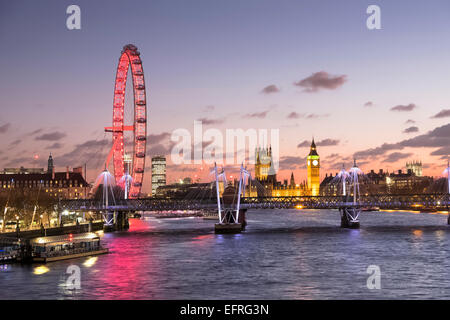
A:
[22, 170]
[381, 182]
[406, 182]
[415, 167]
[158, 173]
[61, 185]
[264, 169]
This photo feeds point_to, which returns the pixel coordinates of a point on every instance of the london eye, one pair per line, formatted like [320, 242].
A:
[129, 58]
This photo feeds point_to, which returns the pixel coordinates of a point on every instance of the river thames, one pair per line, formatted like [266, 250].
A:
[283, 254]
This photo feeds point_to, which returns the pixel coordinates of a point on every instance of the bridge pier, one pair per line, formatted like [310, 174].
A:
[116, 221]
[349, 217]
[231, 216]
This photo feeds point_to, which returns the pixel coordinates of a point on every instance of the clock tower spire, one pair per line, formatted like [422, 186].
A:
[313, 167]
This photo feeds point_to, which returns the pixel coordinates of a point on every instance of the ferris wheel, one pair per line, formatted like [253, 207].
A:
[129, 58]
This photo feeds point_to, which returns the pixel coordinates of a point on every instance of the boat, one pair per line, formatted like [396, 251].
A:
[211, 215]
[216, 217]
[9, 249]
[426, 210]
[69, 246]
[370, 209]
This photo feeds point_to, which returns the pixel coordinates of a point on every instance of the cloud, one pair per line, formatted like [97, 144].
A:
[92, 151]
[411, 129]
[321, 143]
[304, 143]
[156, 138]
[209, 108]
[35, 132]
[53, 136]
[316, 116]
[395, 156]
[159, 144]
[15, 142]
[270, 89]
[56, 145]
[409, 121]
[328, 142]
[159, 149]
[442, 114]
[438, 138]
[368, 104]
[295, 115]
[373, 152]
[321, 80]
[292, 162]
[260, 115]
[4, 128]
[17, 162]
[444, 151]
[207, 121]
[334, 156]
[404, 108]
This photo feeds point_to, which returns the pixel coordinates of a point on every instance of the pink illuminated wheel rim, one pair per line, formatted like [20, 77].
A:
[130, 56]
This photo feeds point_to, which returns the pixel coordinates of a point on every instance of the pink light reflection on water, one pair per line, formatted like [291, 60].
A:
[131, 269]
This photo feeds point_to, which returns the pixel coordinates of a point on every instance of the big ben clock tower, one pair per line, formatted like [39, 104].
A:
[313, 165]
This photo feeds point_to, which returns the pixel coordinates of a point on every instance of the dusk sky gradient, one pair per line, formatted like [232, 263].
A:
[213, 60]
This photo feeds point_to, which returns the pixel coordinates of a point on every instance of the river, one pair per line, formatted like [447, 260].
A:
[283, 254]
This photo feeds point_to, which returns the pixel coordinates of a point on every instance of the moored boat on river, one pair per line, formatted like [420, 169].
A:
[54, 248]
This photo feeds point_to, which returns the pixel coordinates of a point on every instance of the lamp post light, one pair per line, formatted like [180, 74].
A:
[17, 225]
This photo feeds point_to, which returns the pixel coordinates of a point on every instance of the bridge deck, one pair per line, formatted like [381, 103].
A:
[318, 202]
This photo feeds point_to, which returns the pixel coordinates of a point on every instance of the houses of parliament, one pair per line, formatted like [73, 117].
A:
[265, 176]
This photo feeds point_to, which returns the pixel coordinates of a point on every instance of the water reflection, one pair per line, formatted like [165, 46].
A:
[90, 262]
[282, 255]
[40, 270]
[418, 233]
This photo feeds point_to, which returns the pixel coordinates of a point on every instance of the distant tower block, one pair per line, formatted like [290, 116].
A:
[158, 173]
[128, 161]
[50, 165]
[415, 167]
[313, 165]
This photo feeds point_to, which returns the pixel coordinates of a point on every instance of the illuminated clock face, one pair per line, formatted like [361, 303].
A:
[309, 163]
[315, 162]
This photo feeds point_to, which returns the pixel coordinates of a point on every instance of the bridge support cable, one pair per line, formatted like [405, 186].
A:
[447, 170]
[351, 211]
[231, 215]
[217, 176]
[243, 175]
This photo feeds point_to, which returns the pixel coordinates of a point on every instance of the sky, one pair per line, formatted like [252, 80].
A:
[307, 68]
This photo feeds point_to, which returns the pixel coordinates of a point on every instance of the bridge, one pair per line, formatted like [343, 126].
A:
[394, 201]
[233, 203]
